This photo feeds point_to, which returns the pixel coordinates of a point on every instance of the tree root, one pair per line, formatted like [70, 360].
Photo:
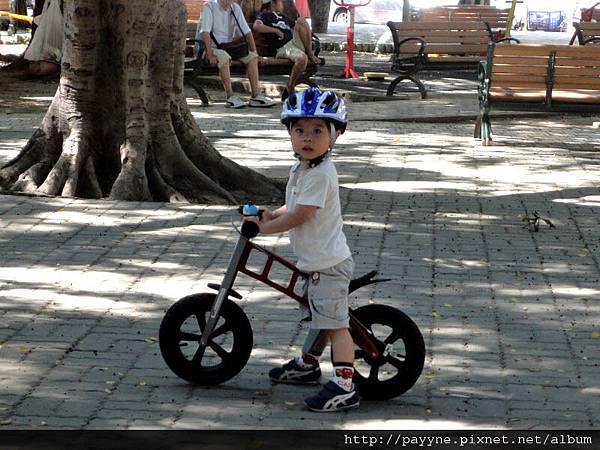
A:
[119, 126]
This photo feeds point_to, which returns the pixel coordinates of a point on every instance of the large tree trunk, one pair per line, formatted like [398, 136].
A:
[289, 9]
[319, 15]
[119, 125]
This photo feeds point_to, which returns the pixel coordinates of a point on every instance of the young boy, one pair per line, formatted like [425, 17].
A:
[312, 215]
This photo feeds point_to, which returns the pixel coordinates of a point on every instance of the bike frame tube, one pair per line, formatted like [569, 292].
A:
[228, 280]
[238, 262]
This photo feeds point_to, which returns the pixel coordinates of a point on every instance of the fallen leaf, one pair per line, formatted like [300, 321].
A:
[110, 382]
[108, 391]
[434, 313]
[24, 349]
[514, 419]
[143, 383]
[595, 334]
[447, 305]
[290, 403]
[5, 422]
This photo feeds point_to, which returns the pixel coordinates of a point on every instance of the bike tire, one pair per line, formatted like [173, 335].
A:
[228, 349]
[392, 375]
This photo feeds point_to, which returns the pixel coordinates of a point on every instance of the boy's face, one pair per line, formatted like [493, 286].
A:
[310, 137]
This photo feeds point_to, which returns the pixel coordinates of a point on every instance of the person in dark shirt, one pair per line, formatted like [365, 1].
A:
[291, 39]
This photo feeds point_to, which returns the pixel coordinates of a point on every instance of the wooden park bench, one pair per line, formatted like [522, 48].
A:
[196, 67]
[496, 18]
[558, 78]
[587, 32]
[439, 45]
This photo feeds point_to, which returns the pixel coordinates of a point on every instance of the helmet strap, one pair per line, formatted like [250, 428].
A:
[332, 135]
[315, 161]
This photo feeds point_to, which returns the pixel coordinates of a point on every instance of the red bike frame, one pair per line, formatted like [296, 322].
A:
[362, 336]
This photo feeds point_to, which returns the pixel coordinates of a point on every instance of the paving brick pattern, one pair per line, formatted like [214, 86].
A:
[510, 317]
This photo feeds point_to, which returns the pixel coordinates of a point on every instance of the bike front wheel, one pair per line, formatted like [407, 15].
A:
[228, 347]
[401, 363]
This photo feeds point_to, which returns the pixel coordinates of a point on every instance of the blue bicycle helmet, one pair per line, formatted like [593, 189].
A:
[315, 104]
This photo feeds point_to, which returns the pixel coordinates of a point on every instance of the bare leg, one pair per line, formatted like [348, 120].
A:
[305, 34]
[226, 79]
[297, 70]
[342, 346]
[252, 74]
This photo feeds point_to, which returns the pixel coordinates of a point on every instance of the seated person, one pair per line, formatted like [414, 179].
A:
[223, 22]
[44, 52]
[293, 40]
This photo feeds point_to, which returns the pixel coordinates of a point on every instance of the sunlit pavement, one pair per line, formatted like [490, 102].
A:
[509, 316]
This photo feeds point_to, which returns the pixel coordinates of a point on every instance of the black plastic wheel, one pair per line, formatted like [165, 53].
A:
[399, 369]
[228, 348]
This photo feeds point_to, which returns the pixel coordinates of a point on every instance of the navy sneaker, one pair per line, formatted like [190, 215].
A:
[291, 372]
[332, 398]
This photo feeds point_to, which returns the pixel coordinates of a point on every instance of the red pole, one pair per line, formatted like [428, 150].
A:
[349, 71]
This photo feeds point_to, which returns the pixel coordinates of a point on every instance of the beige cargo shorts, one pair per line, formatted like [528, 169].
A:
[293, 50]
[327, 292]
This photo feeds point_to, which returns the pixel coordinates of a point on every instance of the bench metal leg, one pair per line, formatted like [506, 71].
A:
[486, 129]
[483, 128]
[477, 132]
[420, 85]
[194, 83]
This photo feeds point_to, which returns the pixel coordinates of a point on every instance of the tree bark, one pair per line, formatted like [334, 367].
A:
[319, 15]
[405, 10]
[119, 126]
[250, 8]
[289, 9]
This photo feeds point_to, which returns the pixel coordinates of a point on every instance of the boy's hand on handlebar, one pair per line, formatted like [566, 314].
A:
[267, 215]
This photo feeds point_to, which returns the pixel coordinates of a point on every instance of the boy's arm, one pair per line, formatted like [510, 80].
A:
[284, 220]
[270, 215]
[260, 27]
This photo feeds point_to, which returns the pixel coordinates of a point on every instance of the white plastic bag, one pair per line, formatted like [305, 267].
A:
[47, 41]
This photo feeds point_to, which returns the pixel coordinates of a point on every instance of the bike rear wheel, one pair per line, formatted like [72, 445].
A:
[228, 348]
[399, 368]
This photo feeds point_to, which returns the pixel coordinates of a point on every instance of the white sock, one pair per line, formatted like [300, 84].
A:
[342, 376]
[300, 362]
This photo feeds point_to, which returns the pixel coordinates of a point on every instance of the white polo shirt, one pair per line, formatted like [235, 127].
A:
[221, 22]
[320, 242]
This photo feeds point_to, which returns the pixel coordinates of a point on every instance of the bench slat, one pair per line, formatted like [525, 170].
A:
[454, 58]
[518, 95]
[570, 81]
[519, 69]
[579, 71]
[414, 26]
[576, 96]
[571, 62]
[507, 78]
[450, 36]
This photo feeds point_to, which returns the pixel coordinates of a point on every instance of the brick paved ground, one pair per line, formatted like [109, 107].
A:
[510, 317]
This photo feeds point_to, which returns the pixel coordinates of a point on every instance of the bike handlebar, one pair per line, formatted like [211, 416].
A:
[250, 229]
